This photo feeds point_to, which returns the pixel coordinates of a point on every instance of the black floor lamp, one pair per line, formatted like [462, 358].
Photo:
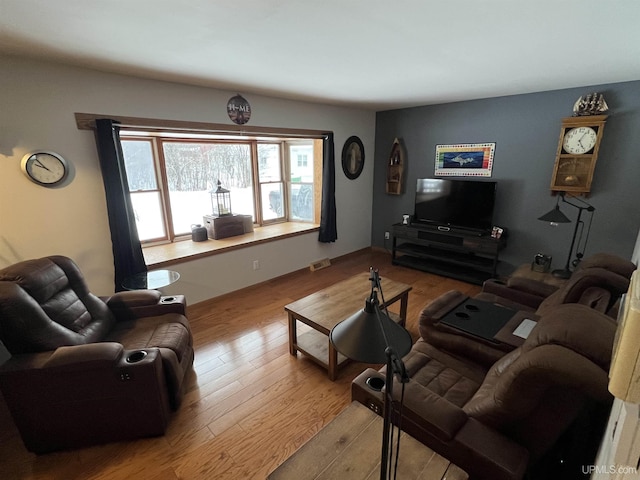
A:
[556, 216]
[370, 336]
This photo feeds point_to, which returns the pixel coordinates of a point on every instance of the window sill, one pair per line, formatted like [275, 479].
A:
[159, 256]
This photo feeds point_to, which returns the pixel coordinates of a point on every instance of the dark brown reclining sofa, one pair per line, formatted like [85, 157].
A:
[598, 283]
[498, 422]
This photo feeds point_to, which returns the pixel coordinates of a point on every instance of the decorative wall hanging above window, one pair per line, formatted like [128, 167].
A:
[239, 110]
[465, 159]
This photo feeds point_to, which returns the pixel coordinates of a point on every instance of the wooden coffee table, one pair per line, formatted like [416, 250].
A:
[349, 447]
[324, 309]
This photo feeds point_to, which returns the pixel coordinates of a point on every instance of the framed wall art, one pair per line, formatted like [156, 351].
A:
[352, 157]
[465, 159]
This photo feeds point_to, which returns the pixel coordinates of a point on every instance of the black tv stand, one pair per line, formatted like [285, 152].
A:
[454, 253]
[447, 229]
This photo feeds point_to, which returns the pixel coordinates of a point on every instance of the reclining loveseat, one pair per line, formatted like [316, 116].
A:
[598, 284]
[85, 370]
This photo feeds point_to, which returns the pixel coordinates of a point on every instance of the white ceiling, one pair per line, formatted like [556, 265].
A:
[369, 53]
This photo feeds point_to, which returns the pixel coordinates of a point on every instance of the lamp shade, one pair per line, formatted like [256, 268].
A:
[361, 338]
[555, 216]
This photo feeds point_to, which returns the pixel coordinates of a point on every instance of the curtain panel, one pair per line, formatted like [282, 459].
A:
[127, 251]
[328, 228]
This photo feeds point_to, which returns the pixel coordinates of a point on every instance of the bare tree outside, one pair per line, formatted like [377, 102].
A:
[193, 167]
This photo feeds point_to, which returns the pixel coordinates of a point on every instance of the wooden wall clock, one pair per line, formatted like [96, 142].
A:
[577, 153]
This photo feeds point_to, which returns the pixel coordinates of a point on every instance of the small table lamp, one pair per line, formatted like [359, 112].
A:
[370, 336]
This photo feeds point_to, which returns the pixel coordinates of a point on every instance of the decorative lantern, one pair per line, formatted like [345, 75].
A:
[220, 201]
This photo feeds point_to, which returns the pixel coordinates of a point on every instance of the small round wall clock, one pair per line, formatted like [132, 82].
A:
[45, 168]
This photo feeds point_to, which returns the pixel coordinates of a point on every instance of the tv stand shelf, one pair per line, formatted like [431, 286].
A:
[457, 254]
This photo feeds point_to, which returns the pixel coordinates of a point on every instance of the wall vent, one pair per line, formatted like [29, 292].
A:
[325, 262]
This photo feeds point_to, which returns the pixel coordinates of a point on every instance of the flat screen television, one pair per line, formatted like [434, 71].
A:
[463, 204]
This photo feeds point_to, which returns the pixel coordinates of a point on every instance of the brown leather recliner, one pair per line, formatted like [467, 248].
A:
[497, 423]
[87, 370]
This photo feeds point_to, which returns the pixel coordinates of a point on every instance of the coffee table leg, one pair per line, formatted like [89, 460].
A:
[403, 309]
[293, 339]
[333, 362]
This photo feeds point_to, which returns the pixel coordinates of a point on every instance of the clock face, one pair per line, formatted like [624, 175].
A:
[45, 168]
[579, 140]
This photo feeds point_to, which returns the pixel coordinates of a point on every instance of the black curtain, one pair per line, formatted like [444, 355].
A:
[328, 229]
[127, 251]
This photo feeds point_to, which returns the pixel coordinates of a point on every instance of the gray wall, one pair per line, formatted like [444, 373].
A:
[38, 100]
[525, 129]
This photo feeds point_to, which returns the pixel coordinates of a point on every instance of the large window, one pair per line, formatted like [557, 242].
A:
[171, 177]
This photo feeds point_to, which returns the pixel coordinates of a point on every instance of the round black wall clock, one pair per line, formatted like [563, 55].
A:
[353, 157]
[47, 169]
[239, 110]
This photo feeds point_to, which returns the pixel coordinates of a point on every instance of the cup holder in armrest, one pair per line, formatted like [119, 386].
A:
[375, 383]
[135, 357]
[167, 299]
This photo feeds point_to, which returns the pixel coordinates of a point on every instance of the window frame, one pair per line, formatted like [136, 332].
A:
[160, 186]
[158, 138]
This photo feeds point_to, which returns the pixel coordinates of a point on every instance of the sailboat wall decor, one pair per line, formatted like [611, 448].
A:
[395, 169]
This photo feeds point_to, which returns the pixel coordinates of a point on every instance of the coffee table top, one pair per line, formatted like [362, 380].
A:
[329, 306]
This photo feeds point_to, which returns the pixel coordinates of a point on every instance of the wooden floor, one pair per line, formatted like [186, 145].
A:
[248, 404]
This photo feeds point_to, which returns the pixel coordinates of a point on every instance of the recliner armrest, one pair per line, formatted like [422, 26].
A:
[133, 304]
[133, 298]
[83, 357]
[85, 394]
[438, 416]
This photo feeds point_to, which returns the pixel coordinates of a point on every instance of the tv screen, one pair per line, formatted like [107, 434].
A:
[464, 204]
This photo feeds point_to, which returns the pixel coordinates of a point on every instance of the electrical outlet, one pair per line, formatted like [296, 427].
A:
[256, 264]
[386, 235]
